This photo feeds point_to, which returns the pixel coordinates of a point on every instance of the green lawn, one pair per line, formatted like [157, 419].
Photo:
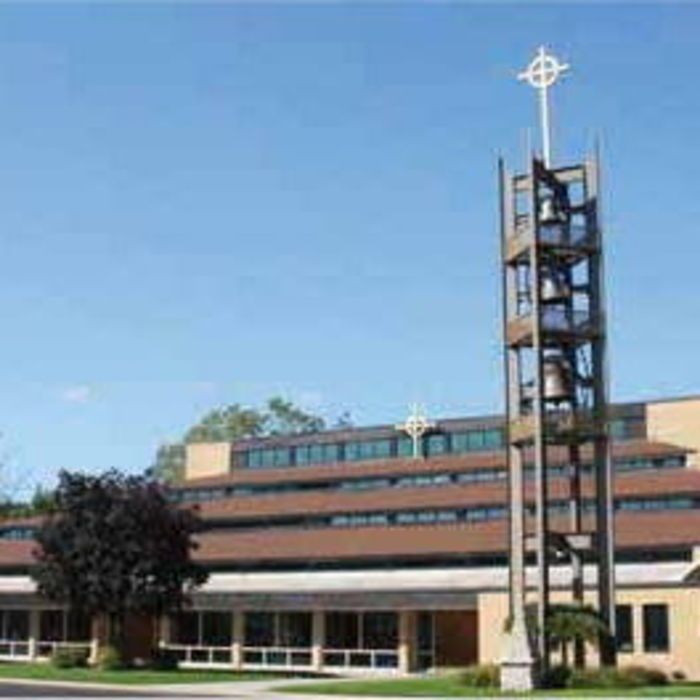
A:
[46, 672]
[445, 686]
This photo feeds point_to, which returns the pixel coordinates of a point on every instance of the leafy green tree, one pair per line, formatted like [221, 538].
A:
[169, 464]
[228, 424]
[284, 418]
[232, 423]
[114, 545]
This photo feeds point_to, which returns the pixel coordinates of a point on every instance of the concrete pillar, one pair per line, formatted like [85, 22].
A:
[164, 631]
[407, 640]
[237, 639]
[318, 639]
[100, 635]
[34, 633]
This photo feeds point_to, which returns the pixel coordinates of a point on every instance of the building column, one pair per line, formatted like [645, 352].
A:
[100, 635]
[318, 638]
[164, 630]
[34, 633]
[407, 640]
[237, 639]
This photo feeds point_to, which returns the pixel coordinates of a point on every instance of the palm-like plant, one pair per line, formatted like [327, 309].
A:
[574, 625]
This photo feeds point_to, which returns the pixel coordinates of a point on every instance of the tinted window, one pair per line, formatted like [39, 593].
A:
[656, 634]
[623, 625]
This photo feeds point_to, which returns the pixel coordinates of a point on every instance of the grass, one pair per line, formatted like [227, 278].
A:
[46, 672]
[450, 687]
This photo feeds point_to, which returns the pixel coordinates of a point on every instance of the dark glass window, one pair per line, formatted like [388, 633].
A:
[342, 630]
[380, 630]
[656, 633]
[17, 622]
[436, 445]
[368, 449]
[51, 626]
[404, 446]
[625, 428]
[269, 458]
[216, 629]
[260, 629]
[186, 628]
[623, 626]
[317, 454]
[295, 629]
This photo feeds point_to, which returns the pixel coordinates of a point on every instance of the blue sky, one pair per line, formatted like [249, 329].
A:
[202, 204]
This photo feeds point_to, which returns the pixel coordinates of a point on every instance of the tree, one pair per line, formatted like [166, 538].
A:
[114, 545]
[574, 625]
[232, 423]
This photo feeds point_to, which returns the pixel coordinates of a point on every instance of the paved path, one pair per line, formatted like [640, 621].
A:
[261, 690]
[21, 689]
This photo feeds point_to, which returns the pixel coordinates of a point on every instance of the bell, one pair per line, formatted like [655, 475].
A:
[550, 212]
[553, 287]
[556, 375]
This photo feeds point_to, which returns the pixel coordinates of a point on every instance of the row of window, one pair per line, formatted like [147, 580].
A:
[656, 637]
[407, 481]
[54, 625]
[342, 630]
[369, 630]
[402, 446]
[384, 448]
[445, 515]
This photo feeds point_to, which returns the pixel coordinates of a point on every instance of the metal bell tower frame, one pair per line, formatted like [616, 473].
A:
[554, 329]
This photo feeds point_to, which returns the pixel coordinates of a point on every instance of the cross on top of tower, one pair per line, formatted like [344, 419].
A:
[542, 73]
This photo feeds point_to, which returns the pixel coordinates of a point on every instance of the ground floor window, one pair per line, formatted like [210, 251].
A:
[208, 628]
[14, 625]
[425, 640]
[624, 628]
[656, 628]
[364, 630]
[361, 639]
[283, 629]
[63, 626]
[342, 630]
[380, 630]
[259, 629]
[294, 629]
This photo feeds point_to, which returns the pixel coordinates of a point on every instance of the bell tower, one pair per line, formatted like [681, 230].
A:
[554, 338]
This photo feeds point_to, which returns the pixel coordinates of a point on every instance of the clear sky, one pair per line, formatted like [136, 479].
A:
[202, 204]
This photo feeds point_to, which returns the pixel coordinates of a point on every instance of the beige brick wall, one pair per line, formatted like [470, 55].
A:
[678, 422]
[684, 627]
[203, 459]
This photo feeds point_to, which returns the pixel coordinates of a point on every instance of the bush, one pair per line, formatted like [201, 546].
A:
[627, 677]
[644, 675]
[557, 677]
[69, 657]
[164, 660]
[486, 676]
[110, 659]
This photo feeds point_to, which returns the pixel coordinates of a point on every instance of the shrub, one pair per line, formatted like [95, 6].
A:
[628, 677]
[557, 677]
[678, 676]
[69, 657]
[644, 675]
[110, 659]
[486, 676]
[164, 660]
